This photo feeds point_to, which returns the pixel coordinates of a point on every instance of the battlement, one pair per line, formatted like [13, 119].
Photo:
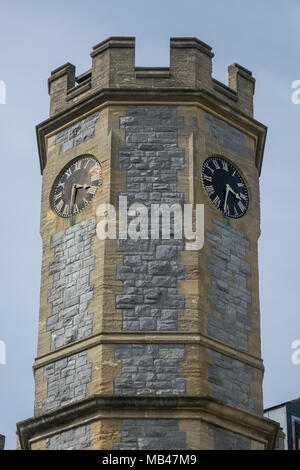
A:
[113, 67]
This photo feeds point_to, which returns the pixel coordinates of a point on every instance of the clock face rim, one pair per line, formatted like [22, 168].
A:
[62, 172]
[241, 177]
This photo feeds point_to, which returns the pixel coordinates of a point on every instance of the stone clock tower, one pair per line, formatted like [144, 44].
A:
[145, 344]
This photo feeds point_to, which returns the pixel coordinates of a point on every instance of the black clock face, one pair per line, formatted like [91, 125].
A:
[76, 186]
[225, 187]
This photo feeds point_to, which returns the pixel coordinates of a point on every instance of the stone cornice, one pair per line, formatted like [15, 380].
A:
[176, 96]
[145, 338]
[98, 407]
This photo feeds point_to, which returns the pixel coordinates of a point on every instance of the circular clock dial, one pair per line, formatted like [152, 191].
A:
[76, 186]
[225, 187]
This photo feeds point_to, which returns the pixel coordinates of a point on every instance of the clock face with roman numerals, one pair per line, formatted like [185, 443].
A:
[225, 187]
[76, 186]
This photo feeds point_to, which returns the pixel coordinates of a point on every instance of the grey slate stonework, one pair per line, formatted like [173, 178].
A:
[74, 439]
[150, 298]
[150, 369]
[151, 434]
[229, 321]
[77, 133]
[225, 134]
[151, 159]
[71, 291]
[227, 440]
[231, 381]
[67, 380]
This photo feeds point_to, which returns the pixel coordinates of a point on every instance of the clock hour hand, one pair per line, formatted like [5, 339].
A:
[236, 194]
[233, 192]
[75, 188]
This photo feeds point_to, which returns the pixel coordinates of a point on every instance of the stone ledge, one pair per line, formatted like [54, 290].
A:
[79, 89]
[141, 337]
[115, 407]
[195, 43]
[225, 90]
[178, 96]
[152, 72]
[115, 42]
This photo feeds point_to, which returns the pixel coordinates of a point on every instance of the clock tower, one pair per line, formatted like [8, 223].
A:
[145, 343]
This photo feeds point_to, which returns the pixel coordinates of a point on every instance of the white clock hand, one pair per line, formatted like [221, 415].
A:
[226, 195]
[73, 197]
[233, 192]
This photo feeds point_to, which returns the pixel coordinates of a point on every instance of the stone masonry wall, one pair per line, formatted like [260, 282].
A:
[151, 159]
[148, 434]
[67, 380]
[231, 381]
[229, 321]
[71, 291]
[150, 369]
[226, 440]
[150, 298]
[74, 439]
[77, 133]
[226, 135]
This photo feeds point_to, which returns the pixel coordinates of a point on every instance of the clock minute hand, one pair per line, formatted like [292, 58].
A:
[73, 197]
[226, 195]
[82, 186]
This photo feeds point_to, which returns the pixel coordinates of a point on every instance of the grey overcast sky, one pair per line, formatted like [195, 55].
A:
[37, 37]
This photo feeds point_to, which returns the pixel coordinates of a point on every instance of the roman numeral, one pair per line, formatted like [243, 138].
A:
[62, 185]
[86, 165]
[85, 202]
[59, 205]
[76, 209]
[215, 162]
[236, 212]
[66, 210]
[241, 206]
[207, 178]
[210, 169]
[243, 196]
[78, 165]
[68, 173]
[217, 201]
[94, 167]
[210, 190]
[92, 190]
[227, 212]
[225, 165]
[240, 185]
[57, 196]
[96, 176]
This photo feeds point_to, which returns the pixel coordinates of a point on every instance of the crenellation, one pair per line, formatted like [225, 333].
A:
[62, 79]
[113, 68]
[241, 81]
